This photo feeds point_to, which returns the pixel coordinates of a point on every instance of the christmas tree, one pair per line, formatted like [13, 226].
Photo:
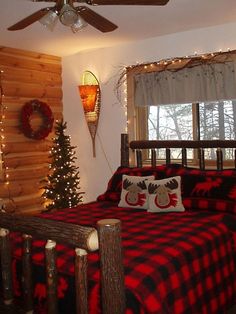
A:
[62, 183]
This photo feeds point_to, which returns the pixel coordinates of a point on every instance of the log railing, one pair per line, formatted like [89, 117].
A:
[106, 238]
[153, 146]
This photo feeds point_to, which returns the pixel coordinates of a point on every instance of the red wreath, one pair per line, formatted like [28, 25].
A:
[28, 109]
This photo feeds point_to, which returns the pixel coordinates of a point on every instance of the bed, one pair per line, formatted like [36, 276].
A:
[167, 258]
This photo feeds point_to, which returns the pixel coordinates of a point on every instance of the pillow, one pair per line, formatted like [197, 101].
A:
[179, 170]
[165, 195]
[207, 189]
[114, 187]
[210, 204]
[134, 191]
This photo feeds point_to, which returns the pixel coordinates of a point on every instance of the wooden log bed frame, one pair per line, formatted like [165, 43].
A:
[106, 237]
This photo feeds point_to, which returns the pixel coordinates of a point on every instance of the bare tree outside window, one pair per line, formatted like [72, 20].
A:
[217, 120]
[170, 122]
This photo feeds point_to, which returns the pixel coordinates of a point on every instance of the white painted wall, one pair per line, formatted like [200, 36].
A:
[106, 64]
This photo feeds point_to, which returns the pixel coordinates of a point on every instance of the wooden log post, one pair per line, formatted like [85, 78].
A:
[184, 157]
[124, 150]
[6, 260]
[201, 156]
[168, 156]
[153, 158]
[112, 269]
[235, 158]
[139, 158]
[81, 265]
[219, 158]
[27, 283]
[51, 277]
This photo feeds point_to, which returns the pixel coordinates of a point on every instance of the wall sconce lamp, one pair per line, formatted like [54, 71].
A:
[90, 97]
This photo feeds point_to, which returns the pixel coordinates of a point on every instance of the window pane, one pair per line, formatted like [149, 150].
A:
[170, 122]
[218, 121]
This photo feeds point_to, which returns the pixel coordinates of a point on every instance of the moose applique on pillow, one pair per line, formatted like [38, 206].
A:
[165, 195]
[134, 191]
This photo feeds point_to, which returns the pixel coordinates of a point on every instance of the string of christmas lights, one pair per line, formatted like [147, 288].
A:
[2, 117]
[182, 62]
[61, 189]
[3, 176]
[169, 64]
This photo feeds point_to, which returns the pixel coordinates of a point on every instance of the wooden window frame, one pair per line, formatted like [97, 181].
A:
[138, 127]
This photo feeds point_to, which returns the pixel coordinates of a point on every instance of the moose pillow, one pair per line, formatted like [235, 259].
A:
[134, 191]
[165, 195]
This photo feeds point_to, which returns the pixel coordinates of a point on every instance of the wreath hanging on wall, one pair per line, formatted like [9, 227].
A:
[44, 110]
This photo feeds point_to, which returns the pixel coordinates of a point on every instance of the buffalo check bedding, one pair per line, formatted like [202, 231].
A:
[174, 263]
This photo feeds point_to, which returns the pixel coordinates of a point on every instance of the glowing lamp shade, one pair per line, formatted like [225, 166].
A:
[88, 94]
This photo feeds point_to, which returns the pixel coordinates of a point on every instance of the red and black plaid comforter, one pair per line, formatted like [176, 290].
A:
[174, 263]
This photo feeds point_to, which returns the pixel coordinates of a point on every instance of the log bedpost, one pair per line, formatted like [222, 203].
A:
[27, 283]
[124, 150]
[112, 269]
[6, 260]
[81, 265]
[51, 273]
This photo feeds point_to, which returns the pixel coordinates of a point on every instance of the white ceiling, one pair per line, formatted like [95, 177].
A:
[134, 23]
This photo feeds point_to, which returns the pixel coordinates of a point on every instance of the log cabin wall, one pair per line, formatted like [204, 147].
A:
[26, 76]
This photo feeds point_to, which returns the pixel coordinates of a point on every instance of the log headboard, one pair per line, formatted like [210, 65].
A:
[153, 146]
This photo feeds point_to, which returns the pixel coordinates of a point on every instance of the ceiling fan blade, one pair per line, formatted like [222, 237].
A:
[96, 20]
[127, 2]
[29, 20]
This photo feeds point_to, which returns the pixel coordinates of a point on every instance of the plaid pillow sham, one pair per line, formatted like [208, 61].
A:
[213, 190]
[207, 189]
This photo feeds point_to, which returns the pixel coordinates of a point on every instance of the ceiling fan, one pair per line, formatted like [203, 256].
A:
[77, 16]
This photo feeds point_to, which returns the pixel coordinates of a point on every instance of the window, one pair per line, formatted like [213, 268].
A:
[204, 121]
[183, 82]
[170, 122]
[175, 122]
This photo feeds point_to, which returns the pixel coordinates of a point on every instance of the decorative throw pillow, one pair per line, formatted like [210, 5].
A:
[114, 187]
[213, 190]
[134, 191]
[165, 195]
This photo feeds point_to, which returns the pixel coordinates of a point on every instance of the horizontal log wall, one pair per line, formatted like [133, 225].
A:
[26, 76]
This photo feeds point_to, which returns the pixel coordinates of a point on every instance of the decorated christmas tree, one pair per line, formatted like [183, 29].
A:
[62, 183]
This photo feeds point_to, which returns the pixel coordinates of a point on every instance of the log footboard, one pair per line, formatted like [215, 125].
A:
[105, 238]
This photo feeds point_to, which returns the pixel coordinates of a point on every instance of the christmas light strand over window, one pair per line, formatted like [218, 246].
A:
[170, 64]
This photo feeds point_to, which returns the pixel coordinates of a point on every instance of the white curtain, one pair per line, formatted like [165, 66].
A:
[201, 83]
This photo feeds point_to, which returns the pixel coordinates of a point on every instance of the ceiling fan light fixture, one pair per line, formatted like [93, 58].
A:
[78, 25]
[49, 20]
[68, 16]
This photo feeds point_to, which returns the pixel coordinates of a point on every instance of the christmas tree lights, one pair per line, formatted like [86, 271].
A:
[62, 184]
